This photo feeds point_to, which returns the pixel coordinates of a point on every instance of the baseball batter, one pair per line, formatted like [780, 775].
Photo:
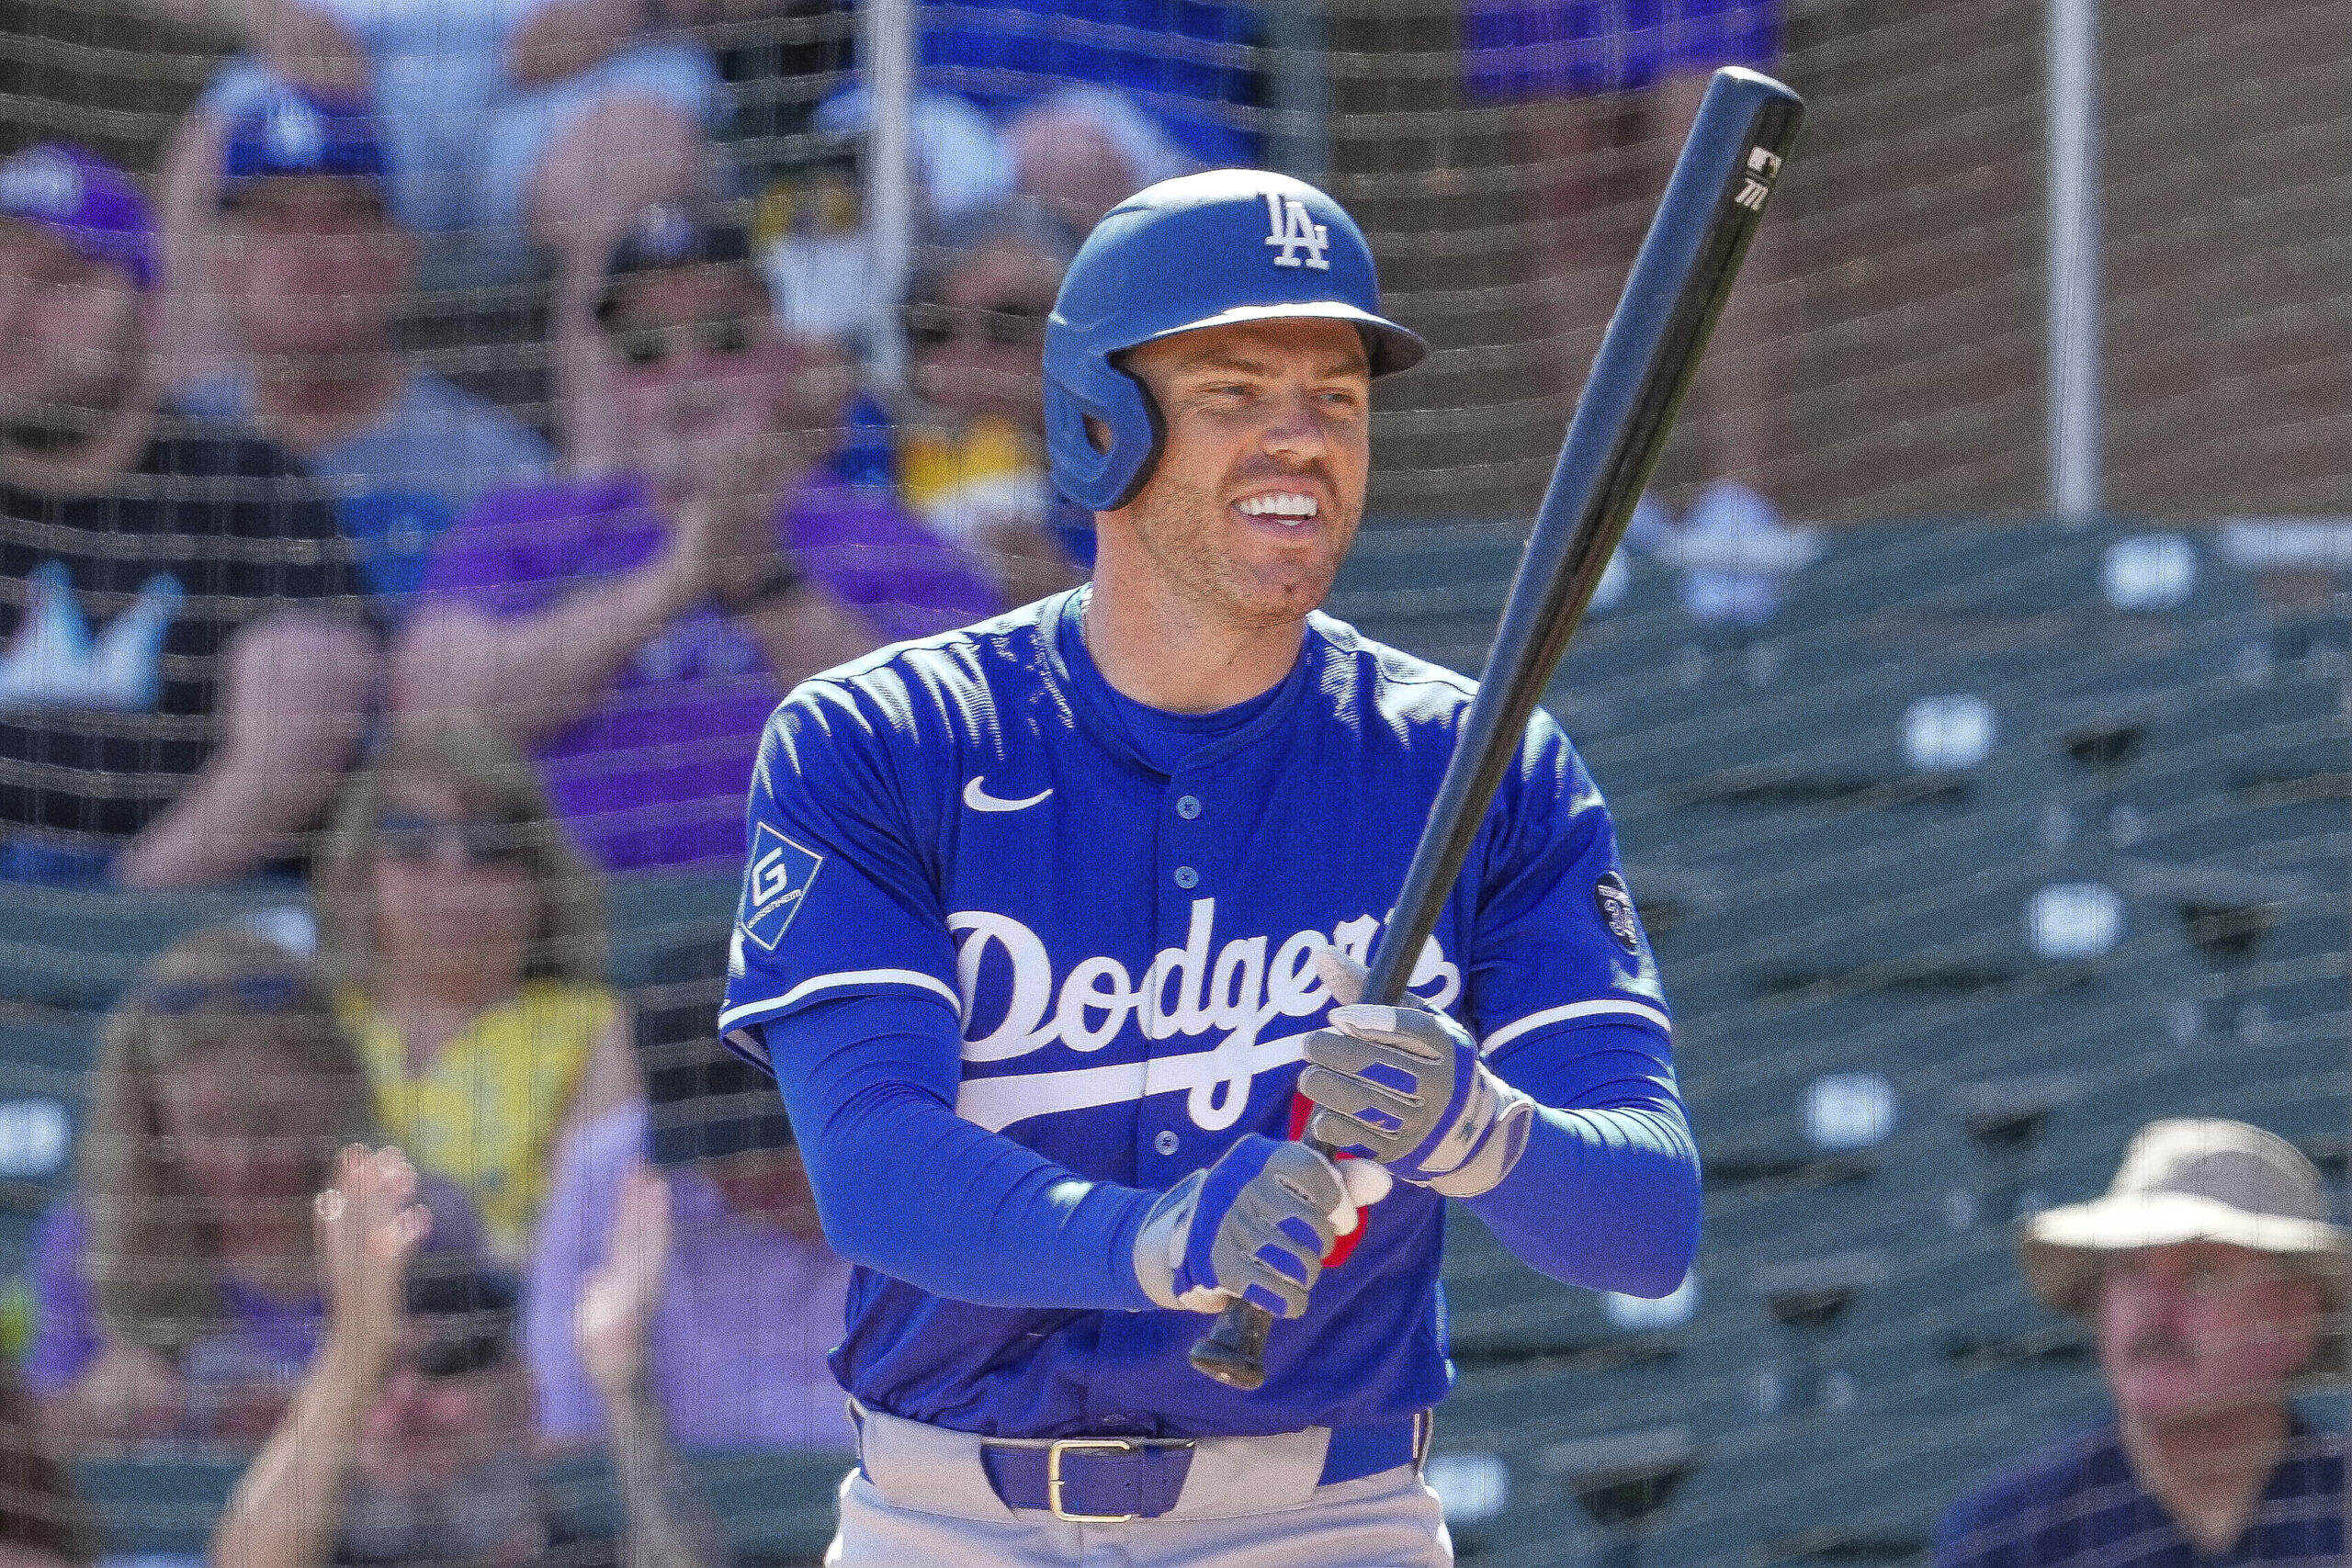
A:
[1047, 921]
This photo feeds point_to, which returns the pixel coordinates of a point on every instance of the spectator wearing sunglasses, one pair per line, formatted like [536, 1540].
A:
[410, 1440]
[176, 1294]
[321, 269]
[635, 631]
[695, 1201]
[465, 936]
[971, 459]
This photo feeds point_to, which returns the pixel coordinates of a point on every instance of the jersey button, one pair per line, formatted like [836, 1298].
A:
[1165, 1142]
[1186, 877]
[1188, 806]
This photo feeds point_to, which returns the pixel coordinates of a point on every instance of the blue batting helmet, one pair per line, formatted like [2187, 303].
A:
[1208, 250]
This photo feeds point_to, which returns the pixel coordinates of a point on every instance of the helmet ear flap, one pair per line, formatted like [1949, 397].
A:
[1099, 479]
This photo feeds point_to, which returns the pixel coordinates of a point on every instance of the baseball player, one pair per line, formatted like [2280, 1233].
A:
[1048, 920]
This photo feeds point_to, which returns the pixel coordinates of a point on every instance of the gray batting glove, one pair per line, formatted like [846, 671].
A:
[1406, 1086]
[1255, 1224]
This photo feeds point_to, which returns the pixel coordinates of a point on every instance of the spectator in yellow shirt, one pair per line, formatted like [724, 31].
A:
[465, 934]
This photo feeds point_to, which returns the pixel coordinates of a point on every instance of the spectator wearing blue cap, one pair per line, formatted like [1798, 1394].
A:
[182, 675]
[511, 127]
[320, 271]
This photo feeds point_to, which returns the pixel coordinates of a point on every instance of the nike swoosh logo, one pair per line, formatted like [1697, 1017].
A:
[979, 799]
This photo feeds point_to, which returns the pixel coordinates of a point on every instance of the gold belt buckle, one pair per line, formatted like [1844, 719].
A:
[1054, 1452]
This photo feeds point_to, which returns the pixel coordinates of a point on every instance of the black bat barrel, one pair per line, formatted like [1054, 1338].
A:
[1681, 277]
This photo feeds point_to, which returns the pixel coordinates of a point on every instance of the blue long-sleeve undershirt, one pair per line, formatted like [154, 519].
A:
[1606, 1195]
[907, 1186]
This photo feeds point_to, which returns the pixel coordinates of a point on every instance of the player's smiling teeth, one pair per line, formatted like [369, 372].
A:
[1287, 508]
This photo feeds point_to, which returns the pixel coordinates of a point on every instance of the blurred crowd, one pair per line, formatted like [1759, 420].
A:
[332, 540]
[409, 1217]
[408, 1204]
[405, 1210]
[412, 1210]
[722, 491]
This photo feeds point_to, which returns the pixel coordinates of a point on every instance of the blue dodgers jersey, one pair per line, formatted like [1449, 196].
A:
[1130, 956]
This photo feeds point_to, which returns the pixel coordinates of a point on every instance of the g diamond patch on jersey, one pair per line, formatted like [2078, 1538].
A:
[776, 884]
[1291, 230]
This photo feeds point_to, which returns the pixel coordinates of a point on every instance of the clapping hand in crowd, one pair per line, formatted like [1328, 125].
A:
[368, 1226]
[617, 1303]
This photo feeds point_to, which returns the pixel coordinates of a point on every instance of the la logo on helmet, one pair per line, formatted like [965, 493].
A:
[1289, 228]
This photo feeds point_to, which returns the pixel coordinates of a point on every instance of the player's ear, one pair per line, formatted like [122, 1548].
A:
[1098, 433]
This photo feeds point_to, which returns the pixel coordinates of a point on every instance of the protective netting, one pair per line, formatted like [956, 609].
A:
[1970, 842]
[1979, 852]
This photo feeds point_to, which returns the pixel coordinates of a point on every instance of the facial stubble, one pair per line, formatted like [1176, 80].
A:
[1184, 528]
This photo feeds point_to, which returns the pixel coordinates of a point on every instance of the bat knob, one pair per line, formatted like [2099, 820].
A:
[1234, 1351]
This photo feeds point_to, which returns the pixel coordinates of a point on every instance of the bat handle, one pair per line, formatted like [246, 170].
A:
[1234, 1350]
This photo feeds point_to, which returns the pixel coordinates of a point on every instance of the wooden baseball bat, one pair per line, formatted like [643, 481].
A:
[1681, 277]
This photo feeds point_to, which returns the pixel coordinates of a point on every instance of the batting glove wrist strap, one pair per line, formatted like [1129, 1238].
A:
[1407, 1087]
[1506, 1140]
[1255, 1224]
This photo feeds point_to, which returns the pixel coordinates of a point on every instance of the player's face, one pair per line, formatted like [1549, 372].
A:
[2197, 1327]
[1260, 480]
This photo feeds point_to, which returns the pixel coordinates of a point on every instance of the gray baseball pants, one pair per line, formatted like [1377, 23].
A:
[921, 1500]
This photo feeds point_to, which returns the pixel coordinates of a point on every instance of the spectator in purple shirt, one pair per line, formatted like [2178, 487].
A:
[635, 631]
[176, 1293]
[2212, 1281]
[697, 1196]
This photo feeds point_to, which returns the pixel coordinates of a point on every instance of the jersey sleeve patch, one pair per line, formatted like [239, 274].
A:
[1614, 903]
[775, 885]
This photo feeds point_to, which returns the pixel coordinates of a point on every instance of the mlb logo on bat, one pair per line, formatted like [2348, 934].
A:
[1290, 229]
[1753, 190]
[774, 885]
